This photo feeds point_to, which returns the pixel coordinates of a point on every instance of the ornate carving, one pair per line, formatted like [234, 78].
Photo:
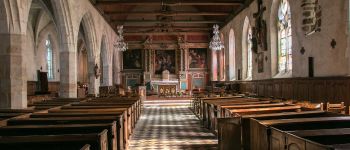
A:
[260, 27]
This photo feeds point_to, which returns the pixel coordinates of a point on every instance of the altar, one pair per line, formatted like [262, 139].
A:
[170, 87]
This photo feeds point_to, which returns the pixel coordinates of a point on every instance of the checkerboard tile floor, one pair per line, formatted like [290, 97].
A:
[170, 127]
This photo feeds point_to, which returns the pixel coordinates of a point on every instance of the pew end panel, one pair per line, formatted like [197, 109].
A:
[228, 129]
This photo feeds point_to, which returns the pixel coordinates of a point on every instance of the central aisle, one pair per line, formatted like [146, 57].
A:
[170, 126]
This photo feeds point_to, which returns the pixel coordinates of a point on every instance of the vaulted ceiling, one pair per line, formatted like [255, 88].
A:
[168, 17]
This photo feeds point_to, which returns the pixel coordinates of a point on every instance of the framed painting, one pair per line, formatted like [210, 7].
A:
[164, 60]
[132, 59]
[197, 58]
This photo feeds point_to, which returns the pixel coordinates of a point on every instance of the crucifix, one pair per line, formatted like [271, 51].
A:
[260, 26]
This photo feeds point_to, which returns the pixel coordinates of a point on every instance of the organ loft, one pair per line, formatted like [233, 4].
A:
[174, 74]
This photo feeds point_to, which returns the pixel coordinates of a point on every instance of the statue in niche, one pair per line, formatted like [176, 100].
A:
[97, 71]
[260, 26]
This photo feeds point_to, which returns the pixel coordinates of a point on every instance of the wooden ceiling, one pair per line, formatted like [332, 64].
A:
[168, 17]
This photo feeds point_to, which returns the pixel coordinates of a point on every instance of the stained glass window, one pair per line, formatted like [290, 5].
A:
[249, 53]
[49, 58]
[284, 37]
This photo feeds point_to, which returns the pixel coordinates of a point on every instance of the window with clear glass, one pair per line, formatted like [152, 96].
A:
[49, 59]
[249, 53]
[284, 37]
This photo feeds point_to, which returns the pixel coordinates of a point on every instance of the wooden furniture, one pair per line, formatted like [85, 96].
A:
[67, 117]
[240, 132]
[97, 141]
[338, 108]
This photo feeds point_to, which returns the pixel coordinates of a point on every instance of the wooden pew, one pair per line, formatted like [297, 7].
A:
[321, 139]
[269, 138]
[97, 141]
[9, 113]
[237, 132]
[209, 106]
[115, 138]
[83, 113]
[73, 120]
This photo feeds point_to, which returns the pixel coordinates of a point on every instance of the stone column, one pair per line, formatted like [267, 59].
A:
[94, 83]
[68, 73]
[13, 82]
[107, 75]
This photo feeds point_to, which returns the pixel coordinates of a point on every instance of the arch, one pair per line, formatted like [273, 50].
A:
[275, 42]
[88, 31]
[232, 55]
[88, 25]
[48, 30]
[284, 37]
[246, 51]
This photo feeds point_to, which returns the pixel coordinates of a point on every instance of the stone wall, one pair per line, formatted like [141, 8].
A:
[328, 61]
[23, 37]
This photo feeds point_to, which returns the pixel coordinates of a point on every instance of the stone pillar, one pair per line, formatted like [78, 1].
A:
[107, 75]
[68, 74]
[13, 82]
[94, 83]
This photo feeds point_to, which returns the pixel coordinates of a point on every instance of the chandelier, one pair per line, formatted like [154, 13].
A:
[215, 43]
[120, 45]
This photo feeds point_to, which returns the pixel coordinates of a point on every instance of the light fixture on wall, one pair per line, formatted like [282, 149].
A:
[120, 45]
[215, 43]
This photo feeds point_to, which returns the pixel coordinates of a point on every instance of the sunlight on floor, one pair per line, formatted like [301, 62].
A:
[170, 127]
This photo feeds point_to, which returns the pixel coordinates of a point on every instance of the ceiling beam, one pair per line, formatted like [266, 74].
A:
[172, 22]
[169, 13]
[172, 3]
[168, 33]
[133, 28]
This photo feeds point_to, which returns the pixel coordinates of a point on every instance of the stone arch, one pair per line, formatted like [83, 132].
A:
[246, 27]
[49, 31]
[232, 55]
[87, 27]
[68, 64]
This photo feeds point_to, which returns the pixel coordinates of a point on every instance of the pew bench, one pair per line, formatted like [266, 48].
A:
[115, 139]
[97, 141]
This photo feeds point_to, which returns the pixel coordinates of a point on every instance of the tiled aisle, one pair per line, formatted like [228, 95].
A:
[170, 127]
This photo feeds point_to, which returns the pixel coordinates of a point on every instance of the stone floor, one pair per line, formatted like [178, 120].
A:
[170, 126]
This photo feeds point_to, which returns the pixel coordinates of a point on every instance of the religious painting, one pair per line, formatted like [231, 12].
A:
[132, 59]
[197, 58]
[260, 62]
[164, 60]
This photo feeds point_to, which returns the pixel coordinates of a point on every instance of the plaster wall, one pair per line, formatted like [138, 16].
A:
[328, 61]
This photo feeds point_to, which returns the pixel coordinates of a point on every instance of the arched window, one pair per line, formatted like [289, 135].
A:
[231, 56]
[49, 58]
[284, 37]
[249, 53]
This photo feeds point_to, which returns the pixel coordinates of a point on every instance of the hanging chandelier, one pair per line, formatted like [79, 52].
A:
[120, 45]
[215, 43]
